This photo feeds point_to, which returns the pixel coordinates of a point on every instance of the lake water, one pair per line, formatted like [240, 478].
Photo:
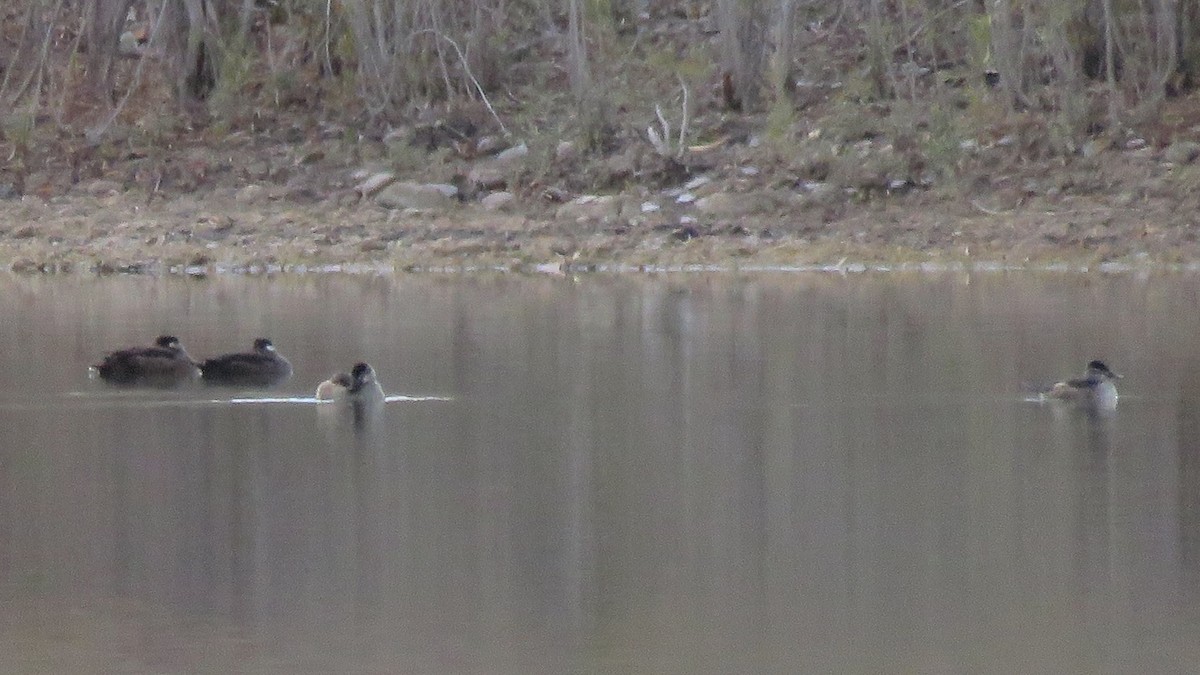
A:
[802, 473]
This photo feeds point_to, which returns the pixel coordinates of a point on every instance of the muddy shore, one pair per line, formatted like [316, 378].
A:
[221, 231]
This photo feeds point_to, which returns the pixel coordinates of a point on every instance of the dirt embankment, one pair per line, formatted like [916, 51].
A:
[740, 209]
[309, 194]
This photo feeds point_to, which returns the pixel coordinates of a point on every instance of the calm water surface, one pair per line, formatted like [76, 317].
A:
[792, 474]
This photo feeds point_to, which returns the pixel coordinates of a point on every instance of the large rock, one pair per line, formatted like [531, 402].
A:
[416, 196]
[494, 173]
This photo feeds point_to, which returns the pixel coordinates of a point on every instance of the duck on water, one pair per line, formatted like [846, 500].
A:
[359, 386]
[166, 363]
[263, 366]
[1097, 387]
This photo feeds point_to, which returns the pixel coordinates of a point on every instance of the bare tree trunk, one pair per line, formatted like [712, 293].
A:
[193, 46]
[485, 57]
[1168, 42]
[245, 16]
[103, 22]
[1188, 44]
[581, 79]
[743, 25]
[371, 26]
[781, 75]
[1110, 70]
[1008, 48]
[879, 52]
[22, 67]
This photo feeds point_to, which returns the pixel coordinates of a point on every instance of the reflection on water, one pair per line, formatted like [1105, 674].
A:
[680, 475]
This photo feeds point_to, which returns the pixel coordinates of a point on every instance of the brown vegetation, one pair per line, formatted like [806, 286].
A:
[805, 123]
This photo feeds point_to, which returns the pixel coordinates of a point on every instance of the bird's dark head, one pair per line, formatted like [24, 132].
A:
[361, 373]
[1098, 367]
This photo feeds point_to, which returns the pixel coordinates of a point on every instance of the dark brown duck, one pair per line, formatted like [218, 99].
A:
[164, 364]
[263, 366]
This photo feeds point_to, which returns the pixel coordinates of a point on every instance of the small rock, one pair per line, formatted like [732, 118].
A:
[556, 195]
[102, 188]
[375, 183]
[650, 207]
[686, 232]
[331, 130]
[512, 154]
[311, 157]
[396, 136]
[1182, 152]
[1125, 199]
[723, 204]
[1135, 144]
[373, 245]
[302, 191]
[566, 151]
[829, 195]
[127, 44]
[696, 182]
[685, 198]
[590, 207]
[250, 193]
[497, 201]
[415, 196]
[260, 170]
[487, 176]
[486, 145]
[1092, 148]
[446, 189]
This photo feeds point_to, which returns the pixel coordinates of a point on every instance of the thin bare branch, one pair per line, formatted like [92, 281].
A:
[467, 69]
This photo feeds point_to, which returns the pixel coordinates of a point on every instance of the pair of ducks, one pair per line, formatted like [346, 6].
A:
[167, 363]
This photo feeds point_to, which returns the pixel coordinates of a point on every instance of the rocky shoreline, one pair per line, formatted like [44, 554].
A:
[1114, 209]
[229, 232]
